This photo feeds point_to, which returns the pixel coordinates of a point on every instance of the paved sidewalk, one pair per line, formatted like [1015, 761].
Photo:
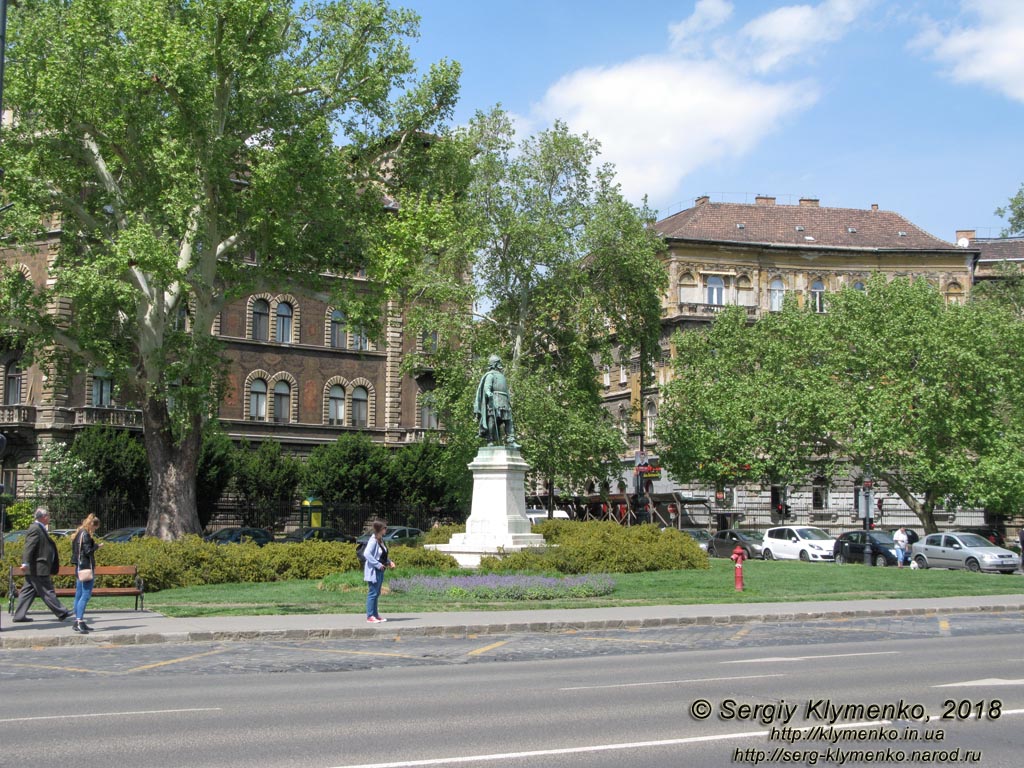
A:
[138, 627]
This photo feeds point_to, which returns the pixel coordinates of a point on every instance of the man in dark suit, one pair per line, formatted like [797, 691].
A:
[42, 561]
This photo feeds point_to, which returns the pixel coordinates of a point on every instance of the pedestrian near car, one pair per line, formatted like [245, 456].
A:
[41, 561]
[377, 562]
[83, 557]
[901, 539]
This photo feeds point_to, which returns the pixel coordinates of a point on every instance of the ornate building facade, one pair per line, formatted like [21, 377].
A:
[755, 255]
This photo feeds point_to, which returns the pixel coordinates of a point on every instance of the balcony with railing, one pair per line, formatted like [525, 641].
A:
[18, 415]
[108, 416]
[693, 309]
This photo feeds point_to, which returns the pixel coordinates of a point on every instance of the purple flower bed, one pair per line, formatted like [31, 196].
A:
[505, 587]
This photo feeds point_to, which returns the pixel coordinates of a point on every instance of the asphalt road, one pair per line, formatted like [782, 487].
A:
[627, 697]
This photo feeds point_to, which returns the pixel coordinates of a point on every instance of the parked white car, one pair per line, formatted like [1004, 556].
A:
[540, 515]
[797, 542]
[963, 550]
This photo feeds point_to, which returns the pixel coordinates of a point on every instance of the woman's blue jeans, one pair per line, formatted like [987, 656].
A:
[372, 595]
[83, 591]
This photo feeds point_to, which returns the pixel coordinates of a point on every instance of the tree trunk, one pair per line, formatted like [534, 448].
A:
[173, 469]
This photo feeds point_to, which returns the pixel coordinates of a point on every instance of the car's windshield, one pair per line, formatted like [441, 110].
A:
[697, 533]
[883, 538]
[974, 540]
[755, 535]
[812, 533]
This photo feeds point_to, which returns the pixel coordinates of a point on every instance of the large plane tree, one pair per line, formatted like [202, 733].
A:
[184, 152]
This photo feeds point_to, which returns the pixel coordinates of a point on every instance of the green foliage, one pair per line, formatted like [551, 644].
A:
[570, 274]
[265, 474]
[162, 203]
[418, 557]
[215, 471]
[442, 534]
[922, 395]
[117, 459]
[65, 481]
[420, 474]
[601, 546]
[352, 469]
[20, 515]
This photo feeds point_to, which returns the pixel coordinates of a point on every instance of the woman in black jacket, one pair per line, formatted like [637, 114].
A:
[83, 556]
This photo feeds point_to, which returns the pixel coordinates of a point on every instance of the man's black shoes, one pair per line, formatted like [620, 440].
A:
[22, 621]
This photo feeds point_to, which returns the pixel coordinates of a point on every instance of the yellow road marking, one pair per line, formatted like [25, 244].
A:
[487, 648]
[349, 653]
[742, 633]
[61, 669]
[168, 662]
[944, 626]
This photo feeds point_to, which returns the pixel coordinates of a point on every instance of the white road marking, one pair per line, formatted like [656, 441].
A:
[109, 714]
[809, 658]
[985, 681]
[565, 751]
[666, 682]
[602, 747]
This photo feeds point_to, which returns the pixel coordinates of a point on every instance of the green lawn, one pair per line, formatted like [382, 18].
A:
[765, 582]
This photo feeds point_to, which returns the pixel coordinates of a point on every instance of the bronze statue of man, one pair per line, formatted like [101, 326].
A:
[493, 405]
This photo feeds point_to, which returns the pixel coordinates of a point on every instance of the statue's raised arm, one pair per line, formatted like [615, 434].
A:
[492, 406]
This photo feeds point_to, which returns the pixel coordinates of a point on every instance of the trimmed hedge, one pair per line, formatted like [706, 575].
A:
[602, 546]
[591, 547]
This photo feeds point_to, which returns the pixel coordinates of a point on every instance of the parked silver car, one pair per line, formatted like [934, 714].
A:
[963, 550]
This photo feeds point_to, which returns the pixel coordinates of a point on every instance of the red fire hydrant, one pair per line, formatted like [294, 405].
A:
[738, 556]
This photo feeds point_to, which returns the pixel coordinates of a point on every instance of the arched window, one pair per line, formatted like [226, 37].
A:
[715, 290]
[282, 402]
[360, 407]
[12, 384]
[260, 320]
[954, 293]
[428, 411]
[336, 405]
[818, 296]
[360, 341]
[623, 420]
[651, 420]
[858, 285]
[776, 295]
[258, 400]
[283, 332]
[338, 329]
[102, 388]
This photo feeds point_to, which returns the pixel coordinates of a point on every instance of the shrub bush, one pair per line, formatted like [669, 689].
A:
[20, 515]
[442, 534]
[600, 546]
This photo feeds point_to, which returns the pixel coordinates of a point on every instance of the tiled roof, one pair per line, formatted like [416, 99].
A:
[804, 226]
[999, 248]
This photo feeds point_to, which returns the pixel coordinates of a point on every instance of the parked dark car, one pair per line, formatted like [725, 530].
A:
[850, 546]
[723, 543]
[398, 534]
[238, 534]
[986, 532]
[119, 535]
[701, 536]
[317, 533]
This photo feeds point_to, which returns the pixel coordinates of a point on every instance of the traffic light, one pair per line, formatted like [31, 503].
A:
[784, 511]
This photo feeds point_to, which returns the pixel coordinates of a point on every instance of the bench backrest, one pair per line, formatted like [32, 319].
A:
[100, 570]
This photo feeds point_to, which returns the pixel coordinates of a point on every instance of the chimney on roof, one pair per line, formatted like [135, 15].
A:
[965, 234]
[809, 202]
[874, 206]
[764, 200]
[701, 200]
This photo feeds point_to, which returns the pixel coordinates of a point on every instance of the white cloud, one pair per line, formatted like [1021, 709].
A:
[659, 119]
[705, 99]
[686, 35]
[989, 52]
[791, 32]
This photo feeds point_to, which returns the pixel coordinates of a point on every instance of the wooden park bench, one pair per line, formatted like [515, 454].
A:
[137, 590]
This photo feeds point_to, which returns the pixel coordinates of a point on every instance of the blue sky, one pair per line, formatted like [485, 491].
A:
[915, 105]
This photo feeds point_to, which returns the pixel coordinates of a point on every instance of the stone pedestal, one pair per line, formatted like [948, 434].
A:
[497, 520]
